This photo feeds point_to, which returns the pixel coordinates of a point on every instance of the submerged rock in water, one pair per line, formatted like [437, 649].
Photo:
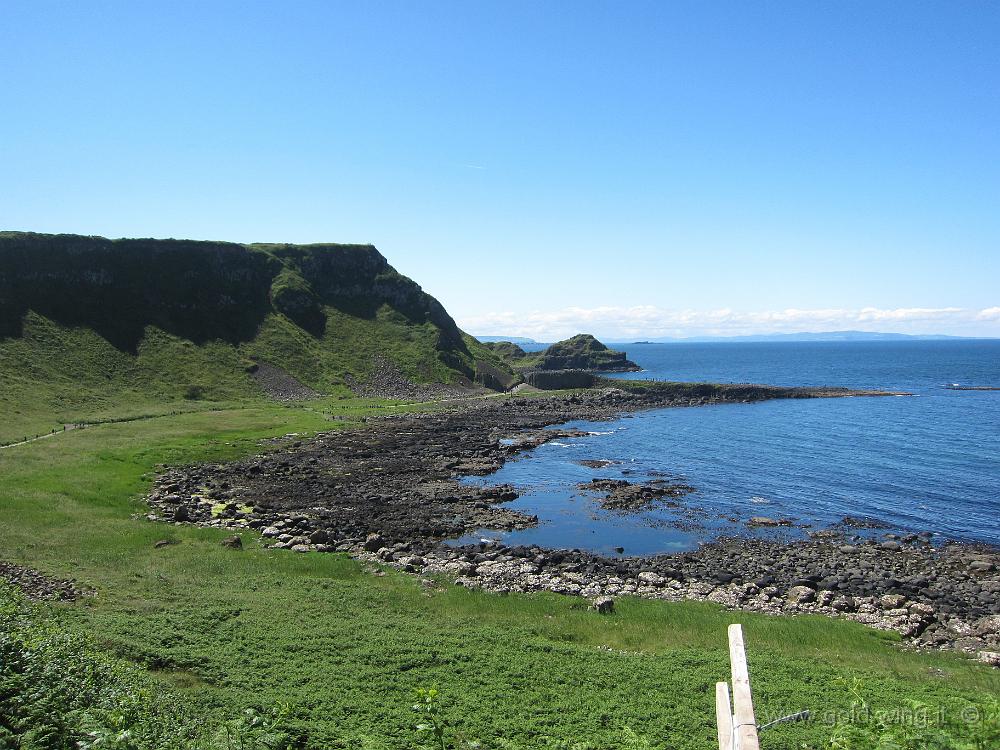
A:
[622, 495]
[596, 463]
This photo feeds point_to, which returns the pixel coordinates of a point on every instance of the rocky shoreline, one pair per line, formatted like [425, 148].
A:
[389, 491]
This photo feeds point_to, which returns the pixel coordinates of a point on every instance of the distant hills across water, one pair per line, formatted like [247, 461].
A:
[768, 337]
[511, 339]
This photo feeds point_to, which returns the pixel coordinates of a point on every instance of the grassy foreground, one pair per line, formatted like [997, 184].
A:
[345, 646]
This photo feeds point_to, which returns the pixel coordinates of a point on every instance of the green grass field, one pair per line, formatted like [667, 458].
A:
[54, 374]
[345, 645]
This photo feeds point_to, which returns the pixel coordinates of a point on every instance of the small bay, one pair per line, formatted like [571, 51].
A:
[926, 462]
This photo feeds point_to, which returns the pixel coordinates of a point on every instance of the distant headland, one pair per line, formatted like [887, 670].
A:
[771, 337]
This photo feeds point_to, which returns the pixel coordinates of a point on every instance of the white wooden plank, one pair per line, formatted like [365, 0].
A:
[746, 723]
[724, 716]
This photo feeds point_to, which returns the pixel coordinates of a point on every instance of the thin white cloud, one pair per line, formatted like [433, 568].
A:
[989, 313]
[649, 321]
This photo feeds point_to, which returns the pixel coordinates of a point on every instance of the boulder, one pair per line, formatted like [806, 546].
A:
[765, 521]
[800, 595]
[990, 657]
[649, 578]
[920, 609]
[892, 601]
[412, 562]
[604, 605]
[320, 536]
[374, 542]
[989, 625]
[844, 604]
[232, 542]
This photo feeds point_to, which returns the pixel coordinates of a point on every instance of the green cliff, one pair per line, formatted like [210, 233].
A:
[88, 321]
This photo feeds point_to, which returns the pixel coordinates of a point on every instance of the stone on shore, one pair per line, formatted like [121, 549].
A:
[604, 605]
[798, 595]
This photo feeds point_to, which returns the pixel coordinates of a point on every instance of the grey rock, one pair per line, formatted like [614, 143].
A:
[892, 601]
[649, 578]
[989, 625]
[800, 595]
[604, 605]
[762, 521]
[920, 609]
[990, 657]
[844, 604]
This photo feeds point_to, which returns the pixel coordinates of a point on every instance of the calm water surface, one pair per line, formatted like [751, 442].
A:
[927, 462]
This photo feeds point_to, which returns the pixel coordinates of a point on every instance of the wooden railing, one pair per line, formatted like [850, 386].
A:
[736, 721]
[738, 728]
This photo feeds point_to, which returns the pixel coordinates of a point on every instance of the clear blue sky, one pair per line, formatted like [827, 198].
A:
[665, 167]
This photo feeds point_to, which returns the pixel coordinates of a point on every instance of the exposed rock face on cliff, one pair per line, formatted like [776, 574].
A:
[552, 380]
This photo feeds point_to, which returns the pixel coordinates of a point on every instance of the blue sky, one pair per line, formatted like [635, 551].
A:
[666, 168]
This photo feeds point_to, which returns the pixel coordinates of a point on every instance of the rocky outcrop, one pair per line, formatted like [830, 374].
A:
[624, 496]
[495, 376]
[582, 352]
[553, 380]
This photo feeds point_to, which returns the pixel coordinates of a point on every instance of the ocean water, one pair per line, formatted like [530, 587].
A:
[927, 462]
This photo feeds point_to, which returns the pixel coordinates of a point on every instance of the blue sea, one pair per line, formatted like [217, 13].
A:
[926, 462]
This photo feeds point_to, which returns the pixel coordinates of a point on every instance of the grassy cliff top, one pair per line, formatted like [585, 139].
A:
[89, 324]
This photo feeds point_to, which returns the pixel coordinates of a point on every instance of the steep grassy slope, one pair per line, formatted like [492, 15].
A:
[88, 324]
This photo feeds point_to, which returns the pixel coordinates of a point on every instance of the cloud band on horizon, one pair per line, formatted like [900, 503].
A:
[650, 321]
